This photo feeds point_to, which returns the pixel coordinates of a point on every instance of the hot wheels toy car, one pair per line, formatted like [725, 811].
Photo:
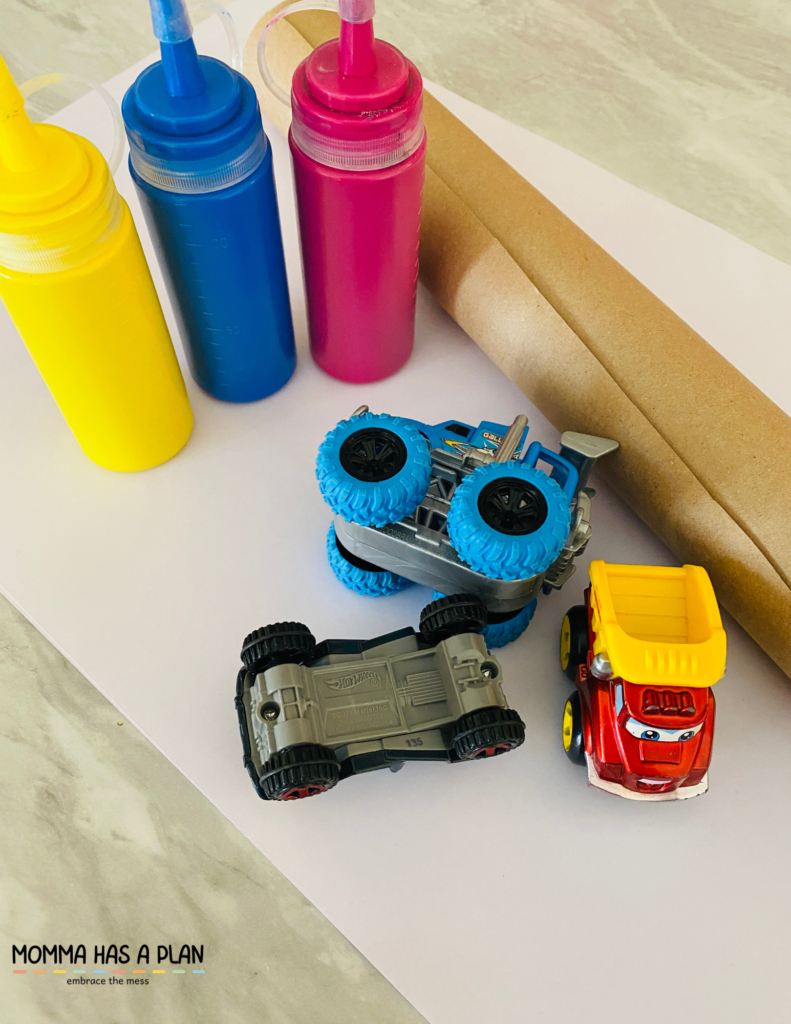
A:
[456, 508]
[311, 714]
[644, 651]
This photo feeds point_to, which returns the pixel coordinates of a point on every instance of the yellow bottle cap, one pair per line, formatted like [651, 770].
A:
[41, 166]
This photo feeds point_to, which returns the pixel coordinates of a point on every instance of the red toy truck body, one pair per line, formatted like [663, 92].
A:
[643, 652]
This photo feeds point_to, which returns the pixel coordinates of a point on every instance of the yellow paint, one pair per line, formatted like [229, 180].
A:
[76, 284]
[568, 725]
[657, 624]
[565, 643]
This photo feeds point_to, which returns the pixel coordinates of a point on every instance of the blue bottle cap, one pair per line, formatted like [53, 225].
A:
[193, 123]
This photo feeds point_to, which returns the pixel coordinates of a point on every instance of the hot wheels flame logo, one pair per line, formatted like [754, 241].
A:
[354, 679]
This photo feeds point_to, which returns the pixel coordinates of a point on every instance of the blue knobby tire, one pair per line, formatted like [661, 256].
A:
[373, 469]
[499, 634]
[370, 582]
[508, 521]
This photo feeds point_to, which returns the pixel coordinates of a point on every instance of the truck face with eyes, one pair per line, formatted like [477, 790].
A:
[644, 651]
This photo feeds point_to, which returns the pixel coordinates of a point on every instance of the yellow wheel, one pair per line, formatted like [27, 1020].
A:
[573, 735]
[574, 640]
[568, 725]
[565, 643]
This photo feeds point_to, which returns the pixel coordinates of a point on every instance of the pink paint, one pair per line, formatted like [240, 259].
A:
[358, 144]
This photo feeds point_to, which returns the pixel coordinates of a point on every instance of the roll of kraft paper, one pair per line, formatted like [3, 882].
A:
[705, 457]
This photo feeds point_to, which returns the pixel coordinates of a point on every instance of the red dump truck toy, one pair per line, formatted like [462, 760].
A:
[644, 651]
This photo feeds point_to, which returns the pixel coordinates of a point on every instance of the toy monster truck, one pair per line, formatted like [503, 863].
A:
[311, 714]
[644, 651]
[457, 509]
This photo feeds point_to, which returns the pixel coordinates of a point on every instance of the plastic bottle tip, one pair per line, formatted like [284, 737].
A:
[20, 146]
[356, 11]
[11, 102]
[171, 21]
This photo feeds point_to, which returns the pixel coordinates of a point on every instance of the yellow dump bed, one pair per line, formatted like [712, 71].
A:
[657, 624]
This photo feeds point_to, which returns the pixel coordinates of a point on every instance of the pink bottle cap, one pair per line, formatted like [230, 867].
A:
[356, 101]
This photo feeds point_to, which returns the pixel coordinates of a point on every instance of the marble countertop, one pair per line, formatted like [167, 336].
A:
[104, 840]
[690, 101]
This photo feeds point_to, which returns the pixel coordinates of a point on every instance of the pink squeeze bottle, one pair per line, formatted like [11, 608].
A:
[358, 145]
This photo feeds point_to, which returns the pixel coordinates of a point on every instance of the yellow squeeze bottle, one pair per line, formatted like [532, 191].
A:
[75, 281]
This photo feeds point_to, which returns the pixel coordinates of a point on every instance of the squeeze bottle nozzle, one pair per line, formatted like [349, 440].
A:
[173, 29]
[20, 147]
[357, 57]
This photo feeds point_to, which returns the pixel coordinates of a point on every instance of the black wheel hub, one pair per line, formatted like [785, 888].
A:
[373, 454]
[512, 506]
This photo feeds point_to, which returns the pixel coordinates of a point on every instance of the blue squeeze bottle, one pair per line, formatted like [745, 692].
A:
[203, 170]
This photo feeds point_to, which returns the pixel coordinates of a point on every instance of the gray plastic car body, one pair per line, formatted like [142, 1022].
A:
[373, 704]
[418, 546]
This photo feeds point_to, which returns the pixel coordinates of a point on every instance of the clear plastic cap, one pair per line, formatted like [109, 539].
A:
[356, 12]
[171, 21]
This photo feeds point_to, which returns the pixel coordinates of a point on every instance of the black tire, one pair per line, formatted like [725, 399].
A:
[299, 772]
[452, 615]
[574, 640]
[277, 644]
[573, 733]
[486, 733]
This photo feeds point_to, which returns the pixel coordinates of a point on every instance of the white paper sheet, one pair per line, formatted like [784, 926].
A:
[504, 890]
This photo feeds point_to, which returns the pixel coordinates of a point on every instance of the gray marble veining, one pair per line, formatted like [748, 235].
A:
[103, 841]
[690, 101]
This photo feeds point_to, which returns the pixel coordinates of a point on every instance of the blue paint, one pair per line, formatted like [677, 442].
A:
[222, 260]
[203, 171]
